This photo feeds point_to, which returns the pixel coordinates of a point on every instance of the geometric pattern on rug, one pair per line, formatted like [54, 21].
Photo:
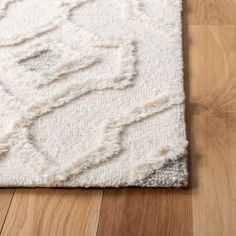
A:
[46, 61]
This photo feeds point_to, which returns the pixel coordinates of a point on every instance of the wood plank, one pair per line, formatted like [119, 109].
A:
[213, 129]
[211, 12]
[5, 201]
[53, 212]
[138, 212]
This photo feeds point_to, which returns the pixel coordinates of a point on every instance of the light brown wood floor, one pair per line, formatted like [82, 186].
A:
[208, 207]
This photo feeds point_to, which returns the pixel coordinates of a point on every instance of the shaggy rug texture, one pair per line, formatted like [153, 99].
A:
[91, 93]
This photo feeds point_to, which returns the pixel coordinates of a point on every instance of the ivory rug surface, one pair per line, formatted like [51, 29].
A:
[91, 93]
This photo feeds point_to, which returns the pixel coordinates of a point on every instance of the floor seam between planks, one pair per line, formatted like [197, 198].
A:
[7, 211]
[100, 213]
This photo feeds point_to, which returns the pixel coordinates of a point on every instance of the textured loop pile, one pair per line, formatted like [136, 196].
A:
[91, 93]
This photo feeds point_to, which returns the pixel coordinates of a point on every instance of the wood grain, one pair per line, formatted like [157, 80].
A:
[213, 129]
[211, 12]
[138, 212]
[5, 201]
[49, 212]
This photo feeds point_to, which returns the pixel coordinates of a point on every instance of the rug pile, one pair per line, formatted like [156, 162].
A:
[91, 93]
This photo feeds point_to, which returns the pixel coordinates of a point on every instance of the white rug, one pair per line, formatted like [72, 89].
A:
[91, 93]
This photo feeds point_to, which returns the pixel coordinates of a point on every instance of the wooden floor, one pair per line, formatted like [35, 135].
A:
[208, 207]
